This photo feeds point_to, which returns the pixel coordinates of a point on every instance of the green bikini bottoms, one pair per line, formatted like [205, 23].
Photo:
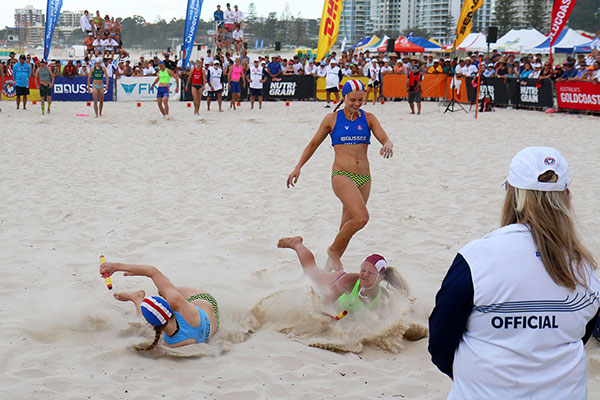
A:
[358, 180]
[210, 299]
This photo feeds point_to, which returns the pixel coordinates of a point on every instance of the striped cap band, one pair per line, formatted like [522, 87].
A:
[352, 85]
[156, 310]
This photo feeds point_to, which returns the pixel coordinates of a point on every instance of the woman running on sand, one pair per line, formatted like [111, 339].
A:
[350, 130]
[353, 292]
[185, 315]
[163, 79]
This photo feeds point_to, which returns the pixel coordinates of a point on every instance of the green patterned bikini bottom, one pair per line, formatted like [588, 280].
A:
[210, 299]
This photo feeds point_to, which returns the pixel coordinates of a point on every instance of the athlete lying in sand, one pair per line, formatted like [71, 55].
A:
[352, 291]
[195, 312]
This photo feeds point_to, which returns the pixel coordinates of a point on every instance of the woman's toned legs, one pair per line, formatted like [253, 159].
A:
[197, 95]
[354, 216]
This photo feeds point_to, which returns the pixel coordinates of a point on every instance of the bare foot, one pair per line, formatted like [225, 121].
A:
[133, 296]
[289, 242]
[334, 262]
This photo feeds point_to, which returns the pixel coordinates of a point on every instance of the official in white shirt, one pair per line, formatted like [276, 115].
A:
[257, 78]
[333, 78]
[84, 21]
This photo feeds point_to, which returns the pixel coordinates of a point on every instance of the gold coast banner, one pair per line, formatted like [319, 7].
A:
[330, 26]
[465, 20]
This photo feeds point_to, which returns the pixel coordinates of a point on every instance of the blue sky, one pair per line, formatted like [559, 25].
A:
[167, 9]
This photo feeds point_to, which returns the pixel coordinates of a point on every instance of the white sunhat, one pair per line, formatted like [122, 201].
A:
[531, 162]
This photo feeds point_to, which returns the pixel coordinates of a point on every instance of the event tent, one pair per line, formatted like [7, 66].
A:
[403, 44]
[565, 43]
[375, 46]
[362, 42]
[426, 44]
[518, 40]
[374, 39]
[587, 47]
[473, 42]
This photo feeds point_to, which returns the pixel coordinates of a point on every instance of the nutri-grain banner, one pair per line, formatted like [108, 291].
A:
[494, 88]
[578, 95]
[531, 92]
[290, 87]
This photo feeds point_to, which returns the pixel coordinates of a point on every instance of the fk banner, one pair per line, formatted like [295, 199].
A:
[52, 13]
[465, 20]
[560, 14]
[330, 26]
[192, 18]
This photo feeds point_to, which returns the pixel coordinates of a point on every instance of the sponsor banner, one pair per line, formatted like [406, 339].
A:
[394, 85]
[192, 18]
[560, 14]
[52, 13]
[465, 20]
[75, 89]
[459, 88]
[578, 95]
[290, 87]
[330, 25]
[531, 92]
[494, 88]
[322, 94]
[8, 91]
[139, 89]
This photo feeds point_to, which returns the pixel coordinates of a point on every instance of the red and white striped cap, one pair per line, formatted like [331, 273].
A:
[156, 310]
[352, 85]
[377, 261]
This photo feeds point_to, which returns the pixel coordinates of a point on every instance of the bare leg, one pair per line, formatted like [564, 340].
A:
[252, 102]
[418, 108]
[354, 203]
[220, 101]
[160, 106]
[321, 278]
[412, 108]
[101, 100]
[166, 105]
[260, 102]
[49, 104]
[25, 102]
[18, 101]
[135, 297]
[95, 96]
[197, 96]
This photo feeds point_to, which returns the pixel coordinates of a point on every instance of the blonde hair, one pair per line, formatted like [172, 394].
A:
[550, 220]
[393, 277]
[157, 330]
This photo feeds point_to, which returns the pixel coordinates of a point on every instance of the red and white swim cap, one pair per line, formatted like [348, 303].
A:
[377, 261]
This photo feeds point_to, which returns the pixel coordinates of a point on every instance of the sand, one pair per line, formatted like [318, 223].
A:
[204, 199]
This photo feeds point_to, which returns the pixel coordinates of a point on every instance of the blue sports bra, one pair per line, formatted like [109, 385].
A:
[200, 333]
[350, 132]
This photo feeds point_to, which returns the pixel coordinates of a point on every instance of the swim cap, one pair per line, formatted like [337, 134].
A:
[156, 310]
[377, 261]
[352, 85]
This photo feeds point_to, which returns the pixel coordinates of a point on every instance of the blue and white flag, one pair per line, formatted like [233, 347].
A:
[52, 13]
[192, 18]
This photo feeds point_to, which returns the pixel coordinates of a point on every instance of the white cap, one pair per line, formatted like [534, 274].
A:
[531, 162]
[216, 62]
[537, 65]
[332, 61]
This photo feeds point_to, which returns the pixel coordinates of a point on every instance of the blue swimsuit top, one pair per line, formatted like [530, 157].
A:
[200, 333]
[350, 132]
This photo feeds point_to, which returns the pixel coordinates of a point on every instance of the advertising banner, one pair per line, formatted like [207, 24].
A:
[560, 14]
[322, 94]
[394, 85]
[75, 89]
[290, 87]
[52, 14]
[465, 20]
[138, 89]
[330, 26]
[8, 91]
[531, 92]
[192, 18]
[494, 88]
[578, 95]
[459, 88]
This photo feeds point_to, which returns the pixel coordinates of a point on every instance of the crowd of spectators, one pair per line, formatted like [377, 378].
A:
[229, 34]
[103, 35]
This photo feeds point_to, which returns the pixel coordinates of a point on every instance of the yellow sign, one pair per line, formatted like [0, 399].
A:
[465, 20]
[322, 93]
[330, 25]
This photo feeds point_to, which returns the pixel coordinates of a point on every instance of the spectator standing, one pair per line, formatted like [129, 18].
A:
[374, 80]
[147, 70]
[489, 72]
[214, 77]
[21, 74]
[45, 81]
[169, 64]
[84, 21]
[310, 68]
[238, 15]
[274, 69]
[229, 18]
[70, 71]
[257, 78]
[332, 81]
[218, 17]
[435, 67]
[413, 87]
[322, 70]
[347, 71]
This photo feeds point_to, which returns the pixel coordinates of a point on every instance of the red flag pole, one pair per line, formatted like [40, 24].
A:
[478, 84]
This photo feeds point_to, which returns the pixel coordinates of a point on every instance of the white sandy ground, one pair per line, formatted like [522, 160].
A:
[204, 199]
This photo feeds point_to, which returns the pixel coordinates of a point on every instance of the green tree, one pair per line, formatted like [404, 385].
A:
[504, 15]
[586, 16]
[535, 14]
[449, 28]
[269, 29]
[251, 16]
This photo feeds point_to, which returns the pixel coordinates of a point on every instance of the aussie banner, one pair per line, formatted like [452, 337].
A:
[76, 89]
[52, 13]
[140, 89]
[560, 14]
[192, 18]
[465, 20]
[330, 26]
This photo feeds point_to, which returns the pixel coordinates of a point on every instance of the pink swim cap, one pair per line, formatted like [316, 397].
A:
[377, 261]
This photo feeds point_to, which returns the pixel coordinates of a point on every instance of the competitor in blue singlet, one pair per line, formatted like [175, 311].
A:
[185, 315]
[350, 130]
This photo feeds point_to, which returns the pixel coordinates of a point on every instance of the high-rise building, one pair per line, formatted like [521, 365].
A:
[521, 7]
[392, 15]
[355, 20]
[69, 18]
[438, 18]
[28, 16]
[484, 17]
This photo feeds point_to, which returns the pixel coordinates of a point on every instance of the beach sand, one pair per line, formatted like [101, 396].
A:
[204, 199]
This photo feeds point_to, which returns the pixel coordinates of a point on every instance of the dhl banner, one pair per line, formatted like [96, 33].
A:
[330, 25]
[322, 93]
[465, 20]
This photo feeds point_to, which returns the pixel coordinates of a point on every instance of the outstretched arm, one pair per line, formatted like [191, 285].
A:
[387, 145]
[311, 147]
[165, 288]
